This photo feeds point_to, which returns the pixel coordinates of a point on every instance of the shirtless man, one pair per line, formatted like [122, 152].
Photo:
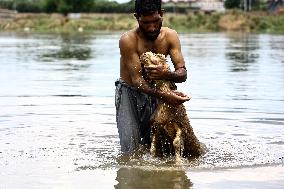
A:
[135, 99]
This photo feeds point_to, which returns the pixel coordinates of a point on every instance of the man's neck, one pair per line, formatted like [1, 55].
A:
[145, 37]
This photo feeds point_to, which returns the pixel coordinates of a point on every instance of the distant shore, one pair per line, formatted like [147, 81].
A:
[255, 22]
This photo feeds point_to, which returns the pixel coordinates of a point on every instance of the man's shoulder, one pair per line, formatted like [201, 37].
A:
[169, 31]
[128, 36]
[127, 41]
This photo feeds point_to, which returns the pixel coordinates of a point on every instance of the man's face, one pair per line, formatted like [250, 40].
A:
[150, 25]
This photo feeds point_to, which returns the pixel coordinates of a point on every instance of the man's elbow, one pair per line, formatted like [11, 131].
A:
[180, 75]
[182, 78]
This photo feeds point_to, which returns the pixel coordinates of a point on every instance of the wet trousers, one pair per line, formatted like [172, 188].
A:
[133, 111]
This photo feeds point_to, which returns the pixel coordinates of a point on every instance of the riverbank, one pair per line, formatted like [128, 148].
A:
[256, 22]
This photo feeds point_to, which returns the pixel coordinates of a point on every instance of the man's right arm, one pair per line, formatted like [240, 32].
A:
[130, 60]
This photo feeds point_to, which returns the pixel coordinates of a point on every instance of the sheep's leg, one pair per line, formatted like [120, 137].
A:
[153, 145]
[177, 145]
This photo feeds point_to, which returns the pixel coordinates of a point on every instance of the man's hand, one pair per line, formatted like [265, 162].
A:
[175, 97]
[157, 72]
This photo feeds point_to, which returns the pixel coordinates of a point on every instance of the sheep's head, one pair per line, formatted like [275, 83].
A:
[150, 59]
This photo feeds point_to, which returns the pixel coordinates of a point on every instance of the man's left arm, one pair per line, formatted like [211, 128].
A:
[180, 73]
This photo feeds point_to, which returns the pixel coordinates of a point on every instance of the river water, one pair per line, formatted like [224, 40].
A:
[57, 115]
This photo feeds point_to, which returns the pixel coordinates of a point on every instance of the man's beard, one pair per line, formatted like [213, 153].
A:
[151, 37]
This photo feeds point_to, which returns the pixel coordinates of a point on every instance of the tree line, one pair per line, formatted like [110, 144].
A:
[67, 6]
[111, 6]
[247, 5]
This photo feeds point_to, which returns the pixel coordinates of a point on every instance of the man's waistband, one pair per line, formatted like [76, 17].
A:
[121, 82]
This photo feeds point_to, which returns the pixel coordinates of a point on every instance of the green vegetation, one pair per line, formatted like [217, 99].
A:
[229, 21]
[245, 4]
[67, 6]
[111, 6]
[232, 4]
[59, 23]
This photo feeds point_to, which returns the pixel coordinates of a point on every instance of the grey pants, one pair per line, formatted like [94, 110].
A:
[133, 112]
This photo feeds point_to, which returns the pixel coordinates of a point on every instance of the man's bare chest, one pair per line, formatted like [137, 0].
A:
[159, 46]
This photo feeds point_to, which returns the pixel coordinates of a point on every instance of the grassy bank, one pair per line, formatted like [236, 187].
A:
[231, 21]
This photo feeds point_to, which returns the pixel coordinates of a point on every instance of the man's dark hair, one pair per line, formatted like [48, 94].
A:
[144, 7]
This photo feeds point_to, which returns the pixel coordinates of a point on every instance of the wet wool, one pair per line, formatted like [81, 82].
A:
[172, 133]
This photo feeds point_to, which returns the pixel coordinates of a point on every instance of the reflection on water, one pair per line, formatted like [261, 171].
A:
[57, 107]
[71, 47]
[242, 51]
[132, 178]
